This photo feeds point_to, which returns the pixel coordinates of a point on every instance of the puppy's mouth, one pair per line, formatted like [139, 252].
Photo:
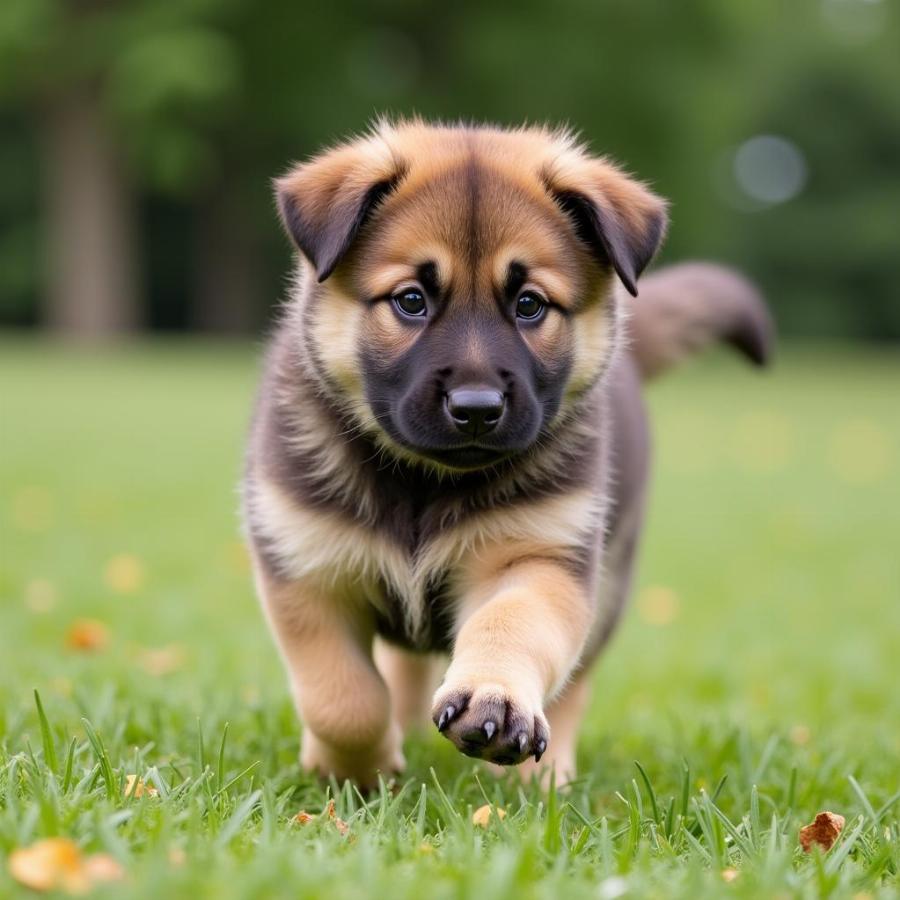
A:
[471, 456]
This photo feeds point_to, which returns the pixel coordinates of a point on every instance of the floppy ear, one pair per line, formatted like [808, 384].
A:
[325, 202]
[621, 220]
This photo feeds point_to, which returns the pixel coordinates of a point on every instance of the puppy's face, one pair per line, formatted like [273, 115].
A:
[460, 294]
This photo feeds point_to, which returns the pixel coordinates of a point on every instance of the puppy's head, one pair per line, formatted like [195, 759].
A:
[458, 291]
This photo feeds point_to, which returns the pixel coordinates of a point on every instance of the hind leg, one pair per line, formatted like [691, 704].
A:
[411, 679]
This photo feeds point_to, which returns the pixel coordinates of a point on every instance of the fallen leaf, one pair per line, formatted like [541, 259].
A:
[101, 867]
[59, 864]
[339, 823]
[823, 831]
[658, 605]
[237, 556]
[159, 661]
[40, 596]
[124, 574]
[135, 787]
[305, 818]
[87, 635]
[482, 816]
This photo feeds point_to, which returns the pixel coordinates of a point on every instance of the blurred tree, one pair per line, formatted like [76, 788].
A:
[161, 123]
[115, 89]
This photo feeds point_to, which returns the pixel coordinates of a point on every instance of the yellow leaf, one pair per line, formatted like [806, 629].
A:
[135, 787]
[159, 661]
[124, 574]
[482, 816]
[658, 605]
[40, 596]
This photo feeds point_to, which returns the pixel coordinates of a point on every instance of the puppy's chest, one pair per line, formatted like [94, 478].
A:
[413, 568]
[432, 629]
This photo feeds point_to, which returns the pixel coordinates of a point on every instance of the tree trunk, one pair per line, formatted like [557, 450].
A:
[92, 286]
[228, 279]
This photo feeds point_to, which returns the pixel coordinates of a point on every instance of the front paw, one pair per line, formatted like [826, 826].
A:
[489, 721]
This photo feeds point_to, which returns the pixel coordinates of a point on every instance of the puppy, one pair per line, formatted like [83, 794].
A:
[449, 452]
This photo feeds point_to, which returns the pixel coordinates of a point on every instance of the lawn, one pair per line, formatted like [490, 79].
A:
[753, 683]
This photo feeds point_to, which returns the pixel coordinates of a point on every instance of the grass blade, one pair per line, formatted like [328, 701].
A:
[46, 735]
[650, 792]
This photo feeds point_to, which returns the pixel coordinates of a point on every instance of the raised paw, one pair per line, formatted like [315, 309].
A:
[489, 722]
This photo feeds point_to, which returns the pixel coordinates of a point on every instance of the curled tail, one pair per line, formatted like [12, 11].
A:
[684, 307]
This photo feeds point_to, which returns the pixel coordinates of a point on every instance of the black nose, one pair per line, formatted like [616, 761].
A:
[475, 411]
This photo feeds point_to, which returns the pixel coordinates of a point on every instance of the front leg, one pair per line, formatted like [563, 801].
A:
[325, 638]
[522, 633]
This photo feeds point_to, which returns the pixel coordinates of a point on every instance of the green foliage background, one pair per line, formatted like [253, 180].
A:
[210, 98]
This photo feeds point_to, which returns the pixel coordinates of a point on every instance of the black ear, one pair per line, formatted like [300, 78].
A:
[627, 250]
[323, 204]
[619, 218]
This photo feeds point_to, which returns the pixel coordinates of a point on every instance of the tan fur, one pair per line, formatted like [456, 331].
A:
[411, 679]
[326, 643]
[324, 550]
[422, 223]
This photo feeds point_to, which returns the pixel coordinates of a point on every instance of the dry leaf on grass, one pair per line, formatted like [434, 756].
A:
[329, 814]
[823, 831]
[59, 864]
[124, 574]
[87, 635]
[135, 787]
[159, 661]
[482, 816]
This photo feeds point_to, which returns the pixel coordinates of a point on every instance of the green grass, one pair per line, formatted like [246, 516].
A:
[755, 677]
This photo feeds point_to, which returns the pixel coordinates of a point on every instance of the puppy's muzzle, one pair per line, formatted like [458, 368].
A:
[475, 411]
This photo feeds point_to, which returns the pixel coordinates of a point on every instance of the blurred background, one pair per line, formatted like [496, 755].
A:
[138, 138]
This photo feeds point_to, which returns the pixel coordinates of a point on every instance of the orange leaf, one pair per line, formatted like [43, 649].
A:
[87, 635]
[58, 864]
[823, 831]
[304, 818]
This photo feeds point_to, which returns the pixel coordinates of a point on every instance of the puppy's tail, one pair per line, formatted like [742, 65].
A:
[684, 307]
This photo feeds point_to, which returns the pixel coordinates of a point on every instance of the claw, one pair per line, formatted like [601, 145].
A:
[490, 729]
[539, 750]
[446, 717]
[522, 741]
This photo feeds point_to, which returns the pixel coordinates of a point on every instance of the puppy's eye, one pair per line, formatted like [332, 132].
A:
[530, 305]
[410, 302]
